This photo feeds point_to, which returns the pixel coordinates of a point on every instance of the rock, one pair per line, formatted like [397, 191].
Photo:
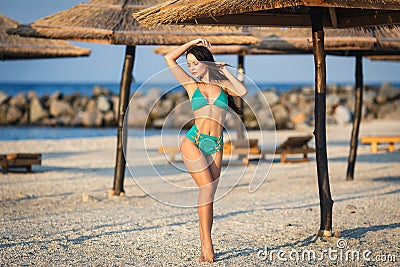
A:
[3, 114]
[110, 119]
[24, 119]
[332, 88]
[181, 120]
[262, 119]
[253, 103]
[3, 97]
[32, 94]
[281, 117]
[103, 103]
[154, 93]
[369, 96]
[161, 123]
[64, 120]
[342, 115]
[231, 121]
[80, 103]
[77, 119]
[13, 115]
[137, 117]
[331, 102]
[182, 106]
[161, 109]
[70, 98]
[55, 96]
[91, 105]
[19, 100]
[100, 90]
[37, 112]
[49, 122]
[389, 110]
[347, 88]
[177, 96]
[271, 97]
[307, 90]
[144, 102]
[293, 98]
[115, 103]
[92, 118]
[386, 93]
[59, 108]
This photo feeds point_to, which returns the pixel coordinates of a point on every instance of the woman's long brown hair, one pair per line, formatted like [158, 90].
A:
[204, 55]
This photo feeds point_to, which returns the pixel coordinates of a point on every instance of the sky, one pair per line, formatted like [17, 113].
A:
[105, 62]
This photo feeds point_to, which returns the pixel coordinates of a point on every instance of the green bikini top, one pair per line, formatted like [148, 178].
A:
[199, 100]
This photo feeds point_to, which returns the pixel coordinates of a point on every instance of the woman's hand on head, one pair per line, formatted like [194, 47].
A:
[202, 42]
[221, 66]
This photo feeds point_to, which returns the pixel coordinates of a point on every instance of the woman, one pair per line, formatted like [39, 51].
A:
[210, 92]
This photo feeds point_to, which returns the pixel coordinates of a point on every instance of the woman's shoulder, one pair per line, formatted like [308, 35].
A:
[190, 87]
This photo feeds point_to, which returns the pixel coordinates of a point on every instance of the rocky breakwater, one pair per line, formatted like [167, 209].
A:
[98, 110]
[294, 109]
[267, 109]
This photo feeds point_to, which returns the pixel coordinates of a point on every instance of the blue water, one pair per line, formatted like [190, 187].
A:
[35, 132]
[41, 88]
[10, 133]
[12, 88]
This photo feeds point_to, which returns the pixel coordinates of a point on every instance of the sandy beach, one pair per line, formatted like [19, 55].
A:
[61, 214]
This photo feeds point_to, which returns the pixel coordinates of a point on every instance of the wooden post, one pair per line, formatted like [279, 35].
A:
[239, 100]
[124, 93]
[356, 120]
[326, 202]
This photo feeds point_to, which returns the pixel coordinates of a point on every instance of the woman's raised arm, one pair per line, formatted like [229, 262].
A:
[233, 85]
[179, 73]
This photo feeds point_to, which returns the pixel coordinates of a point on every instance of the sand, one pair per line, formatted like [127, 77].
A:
[61, 214]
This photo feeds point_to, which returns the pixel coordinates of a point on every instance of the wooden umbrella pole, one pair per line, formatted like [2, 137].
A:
[357, 119]
[239, 101]
[326, 202]
[124, 93]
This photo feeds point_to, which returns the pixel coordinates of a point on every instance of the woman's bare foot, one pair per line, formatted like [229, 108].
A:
[207, 253]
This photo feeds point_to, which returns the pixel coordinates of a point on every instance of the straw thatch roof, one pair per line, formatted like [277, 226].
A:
[344, 42]
[15, 47]
[225, 50]
[111, 22]
[290, 13]
[385, 58]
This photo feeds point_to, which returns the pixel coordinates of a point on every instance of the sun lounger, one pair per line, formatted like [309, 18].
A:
[244, 148]
[248, 149]
[171, 150]
[292, 146]
[376, 140]
[20, 160]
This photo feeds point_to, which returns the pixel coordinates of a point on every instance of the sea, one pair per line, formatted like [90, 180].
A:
[86, 88]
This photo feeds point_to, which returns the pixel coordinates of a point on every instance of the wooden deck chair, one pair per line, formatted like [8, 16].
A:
[293, 145]
[246, 149]
[19, 160]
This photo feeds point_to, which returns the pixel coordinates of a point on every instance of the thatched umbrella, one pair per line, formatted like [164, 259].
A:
[300, 13]
[385, 58]
[341, 42]
[380, 44]
[111, 22]
[15, 47]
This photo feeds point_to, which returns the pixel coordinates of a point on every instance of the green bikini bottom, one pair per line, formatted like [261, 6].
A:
[207, 144]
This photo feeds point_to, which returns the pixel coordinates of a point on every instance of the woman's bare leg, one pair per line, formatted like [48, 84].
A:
[198, 167]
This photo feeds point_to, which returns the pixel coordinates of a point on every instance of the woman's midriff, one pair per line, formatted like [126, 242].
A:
[209, 126]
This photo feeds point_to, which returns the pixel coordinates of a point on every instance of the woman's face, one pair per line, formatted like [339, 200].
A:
[196, 68]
